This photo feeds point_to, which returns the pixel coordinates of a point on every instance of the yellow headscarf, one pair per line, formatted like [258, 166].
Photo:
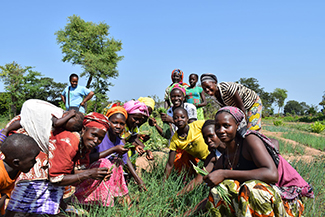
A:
[148, 102]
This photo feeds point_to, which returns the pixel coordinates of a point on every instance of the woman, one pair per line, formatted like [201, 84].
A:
[177, 78]
[233, 94]
[111, 151]
[41, 190]
[259, 181]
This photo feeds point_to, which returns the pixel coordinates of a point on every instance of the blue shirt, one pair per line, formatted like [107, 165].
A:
[76, 96]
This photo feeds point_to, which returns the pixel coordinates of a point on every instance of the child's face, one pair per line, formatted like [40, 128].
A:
[74, 82]
[177, 98]
[117, 124]
[193, 80]
[26, 164]
[176, 78]
[180, 118]
[210, 137]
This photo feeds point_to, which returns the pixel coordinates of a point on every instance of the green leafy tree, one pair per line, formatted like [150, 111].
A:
[280, 95]
[87, 44]
[293, 107]
[4, 103]
[304, 107]
[322, 103]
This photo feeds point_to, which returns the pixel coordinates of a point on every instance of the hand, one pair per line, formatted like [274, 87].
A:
[99, 173]
[152, 122]
[82, 103]
[144, 137]
[214, 178]
[139, 149]
[120, 149]
[166, 118]
[150, 155]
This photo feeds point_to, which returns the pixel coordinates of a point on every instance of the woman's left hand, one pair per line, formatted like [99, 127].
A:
[214, 178]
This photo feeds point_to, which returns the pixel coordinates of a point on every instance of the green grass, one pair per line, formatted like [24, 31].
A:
[317, 142]
[276, 128]
[287, 148]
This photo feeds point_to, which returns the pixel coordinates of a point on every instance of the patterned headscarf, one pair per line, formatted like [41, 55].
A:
[239, 116]
[178, 72]
[96, 120]
[179, 87]
[116, 110]
[208, 77]
[133, 107]
[148, 101]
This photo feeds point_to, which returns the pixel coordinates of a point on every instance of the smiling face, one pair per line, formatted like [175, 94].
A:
[180, 118]
[210, 87]
[91, 137]
[74, 82]
[210, 137]
[193, 80]
[176, 77]
[177, 97]
[117, 123]
[134, 120]
[226, 127]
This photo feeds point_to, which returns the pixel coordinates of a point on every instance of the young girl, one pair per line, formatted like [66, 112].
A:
[38, 117]
[233, 94]
[177, 77]
[259, 181]
[195, 95]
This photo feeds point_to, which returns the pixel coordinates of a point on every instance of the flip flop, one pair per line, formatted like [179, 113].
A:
[2, 136]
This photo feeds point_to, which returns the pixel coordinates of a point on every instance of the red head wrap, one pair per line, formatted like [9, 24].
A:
[96, 120]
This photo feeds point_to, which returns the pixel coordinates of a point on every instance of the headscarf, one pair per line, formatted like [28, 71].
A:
[239, 116]
[179, 87]
[134, 106]
[178, 72]
[148, 101]
[116, 110]
[111, 105]
[96, 120]
[208, 77]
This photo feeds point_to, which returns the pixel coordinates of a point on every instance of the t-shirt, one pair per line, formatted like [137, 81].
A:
[191, 111]
[228, 90]
[107, 144]
[6, 183]
[194, 143]
[193, 95]
[76, 96]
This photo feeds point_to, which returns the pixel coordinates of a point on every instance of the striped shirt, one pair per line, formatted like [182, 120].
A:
[228, 90]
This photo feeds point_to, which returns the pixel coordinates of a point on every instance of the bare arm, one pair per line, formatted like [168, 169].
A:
[203, 102]
[116, 149]
[239, 103]
[3, 199]
[59, 122]
[166, 118]
[94, 173]
[88, 97]
[135, 175]
[63, 98]
[254, 150]
[170, 163]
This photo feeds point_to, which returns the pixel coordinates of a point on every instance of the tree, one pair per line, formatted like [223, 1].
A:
[293, 107]
[280, 95]
[304, 107]
[322, 103]
[251, 83]
[87, 44]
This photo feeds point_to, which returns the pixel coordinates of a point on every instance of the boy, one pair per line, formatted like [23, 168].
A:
[20, 152]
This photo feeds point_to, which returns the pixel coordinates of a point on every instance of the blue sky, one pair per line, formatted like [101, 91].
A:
[280, 43]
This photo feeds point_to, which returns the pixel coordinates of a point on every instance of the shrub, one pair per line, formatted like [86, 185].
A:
[317, 127]
[278, 123]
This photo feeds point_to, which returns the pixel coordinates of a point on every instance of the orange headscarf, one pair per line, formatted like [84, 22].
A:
[116, 110]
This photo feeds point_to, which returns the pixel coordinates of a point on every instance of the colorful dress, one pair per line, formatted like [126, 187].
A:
[193, 95]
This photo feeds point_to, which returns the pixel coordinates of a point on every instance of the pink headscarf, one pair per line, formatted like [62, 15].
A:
[133, 107]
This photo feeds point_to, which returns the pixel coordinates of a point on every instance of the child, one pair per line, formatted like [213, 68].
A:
[38, 117]
[20, 152]
[195, 95]
[187, 145]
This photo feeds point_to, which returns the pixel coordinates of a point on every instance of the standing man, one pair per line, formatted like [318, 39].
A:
[75, 96]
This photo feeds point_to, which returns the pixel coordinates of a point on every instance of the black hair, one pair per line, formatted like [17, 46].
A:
[19, 146]
[180, 108]
[196, 75]
[73, 75]
[77, 126]
[208, 123]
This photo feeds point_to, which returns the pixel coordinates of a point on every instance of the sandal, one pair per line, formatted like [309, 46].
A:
[2, 136]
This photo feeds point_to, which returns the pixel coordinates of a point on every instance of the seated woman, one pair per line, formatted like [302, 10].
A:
[187, 145]
[259, 181]
[55, 170]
